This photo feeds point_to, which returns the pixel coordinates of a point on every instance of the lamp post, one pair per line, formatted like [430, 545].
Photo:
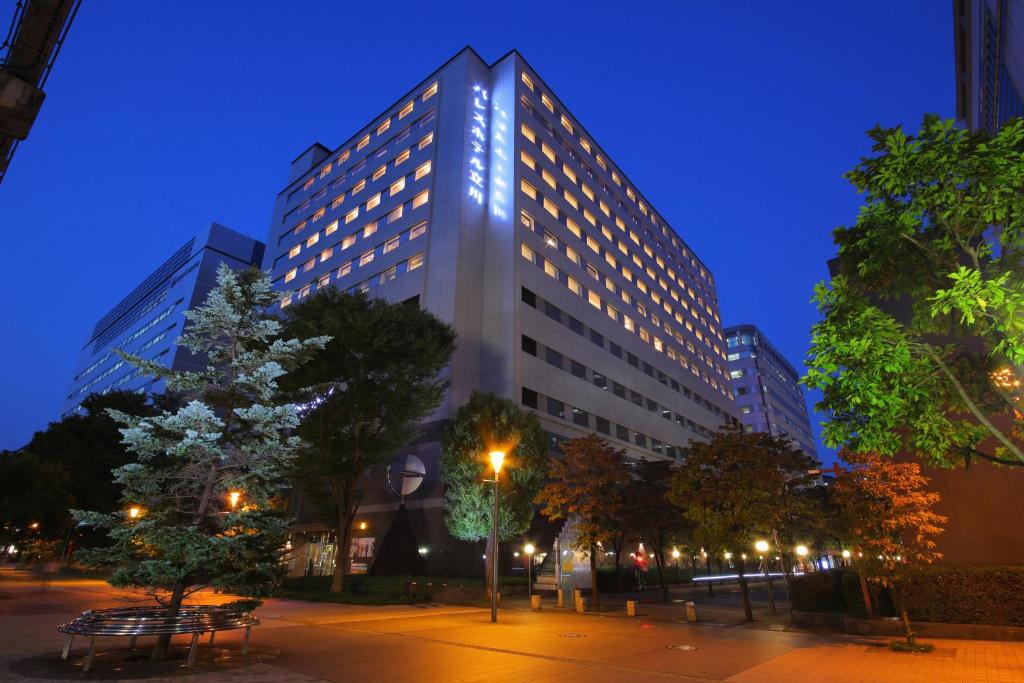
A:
[801, 552]
[528, 549]
[675, 556]
[762, 547]
[497, 457]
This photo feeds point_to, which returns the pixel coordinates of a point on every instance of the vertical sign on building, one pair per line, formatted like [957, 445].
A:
[478, 136]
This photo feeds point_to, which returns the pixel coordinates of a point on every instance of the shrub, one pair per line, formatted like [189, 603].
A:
[854, 599]
[819, 592]
[965, 594]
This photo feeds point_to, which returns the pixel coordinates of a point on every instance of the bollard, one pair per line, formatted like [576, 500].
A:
[576, 595]
[630, 608]
[561, 598]
[581, 605]
[535, 603]
[691, 612]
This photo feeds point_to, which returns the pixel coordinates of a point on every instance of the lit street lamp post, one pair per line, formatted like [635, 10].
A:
[497, 457]
[762, 547]
[528, 549]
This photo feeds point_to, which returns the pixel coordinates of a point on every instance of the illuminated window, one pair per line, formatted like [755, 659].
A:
[607, 234]
[528, 160]
[527, 81]
[308, 265]
[363, 143]
[547, 103]
[367, 257]
[627, 322]
[566, 124]
[380, 171]
[587, 191]
[358, 187]
[616, 180]
[575, 287]
[550, 207]
[391, 245]
[600, 161]
[319, 214]
[594, 246]
[338, 201]
[415, 262]
[619, 224]
[549, 268]
[528, 133]
[430, 92]
[643, 209]
[571, 199]
[548, 152]
[549, 179]
[345, 269]
[294, 251]
[527, 253]
[573, 228]
[629, 193]
[330, 229]
[286, 301]
[402, 157]
[325, 170]
[313, 239]
[348, 242]
[594, 300]
[417, 230]
[406, 110]
[369, 229]
[423, 170]
[573, 255]
[611, 260]
[388, 275]
[373, 202]
[290, 275]
[569, 174]
[604, 209]
[352, 215]
[592, 272]
[309, 184]
[585, 145]
[590, 217]
[613, 314]
[326, 254]
[397, 187]
[550, 240]
[343, 156]
[304, 292]
[382, 128]
[528, 189]
[395, 214]
[420, 199]
[427, 139]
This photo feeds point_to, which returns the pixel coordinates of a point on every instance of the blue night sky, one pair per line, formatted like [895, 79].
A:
[736, 120]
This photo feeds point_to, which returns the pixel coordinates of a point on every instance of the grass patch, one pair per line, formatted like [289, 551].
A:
[904, 646]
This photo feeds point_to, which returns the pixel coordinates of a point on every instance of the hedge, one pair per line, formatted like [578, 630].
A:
[957, 594]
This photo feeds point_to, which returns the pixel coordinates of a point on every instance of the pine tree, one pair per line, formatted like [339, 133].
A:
[200, 502]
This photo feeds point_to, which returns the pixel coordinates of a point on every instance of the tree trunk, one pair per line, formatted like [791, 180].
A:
[344, 535]
[748, 613]
[163, 643]
[489, 564]
[594, 592]
[866, 594]
[711, 589]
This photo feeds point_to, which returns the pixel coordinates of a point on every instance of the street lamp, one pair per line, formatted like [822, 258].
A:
[528, 549]
[233, 498]
[497, 458]
[801, 552]
[761, 546]
[134, 511]
[675, 556]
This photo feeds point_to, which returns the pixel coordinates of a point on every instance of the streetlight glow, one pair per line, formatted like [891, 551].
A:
[728, 555]
[761, 546]
[497, 457]
[675, 553]
[233, 498]
[802, 550]
[846, 554]
[528, 549]
[134, 511]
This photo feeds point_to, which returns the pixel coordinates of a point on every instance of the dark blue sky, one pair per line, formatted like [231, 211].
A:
[736, 120]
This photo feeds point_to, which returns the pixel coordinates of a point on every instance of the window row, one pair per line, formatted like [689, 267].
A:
[529, 298]
[701, 299]
[357, 171]
[601, 381]
[632, 195]
[581, 418]
[528, 222]
[156, 320]
[383, 277]
[381, 128]
[367, 256]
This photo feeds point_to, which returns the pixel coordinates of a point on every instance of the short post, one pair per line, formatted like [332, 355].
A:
[245, 643]
[67, 647]
[561, 598]
[581, 605]
[691, 611]
[630, 608]
[535, 603]
[192, 651]
[88, 657]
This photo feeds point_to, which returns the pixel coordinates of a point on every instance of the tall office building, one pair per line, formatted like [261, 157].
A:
[150, 319]
[480, 196]
[988, 36]
[769, 397]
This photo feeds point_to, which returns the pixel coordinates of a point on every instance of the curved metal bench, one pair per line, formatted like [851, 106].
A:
[153, 621]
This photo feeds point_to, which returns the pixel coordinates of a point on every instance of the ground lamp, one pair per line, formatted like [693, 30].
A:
[497, 458]
[762, 547]
[528, 549]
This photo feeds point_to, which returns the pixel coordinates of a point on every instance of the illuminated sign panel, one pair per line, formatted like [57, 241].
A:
[478, 131]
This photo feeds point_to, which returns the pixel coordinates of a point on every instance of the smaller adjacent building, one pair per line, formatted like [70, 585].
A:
[150, 319]
[766, 386]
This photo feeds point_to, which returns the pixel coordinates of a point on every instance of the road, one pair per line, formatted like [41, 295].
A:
[301, 642]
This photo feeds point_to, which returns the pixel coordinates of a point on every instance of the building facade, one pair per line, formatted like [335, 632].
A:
[769, 397]
[150, 319]
[480, 196]
[988, 36]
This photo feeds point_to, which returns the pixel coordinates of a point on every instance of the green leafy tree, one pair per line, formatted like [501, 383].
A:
[921, 344]
[369, 388]
[738, 488]
[588, 486]
[887, 513]
[33, 498]
[649, 511]
[231, 435]
[487, 422]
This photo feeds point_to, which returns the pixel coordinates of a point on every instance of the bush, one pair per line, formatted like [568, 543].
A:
[965, 594]
[881, 600]
[819, 592]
